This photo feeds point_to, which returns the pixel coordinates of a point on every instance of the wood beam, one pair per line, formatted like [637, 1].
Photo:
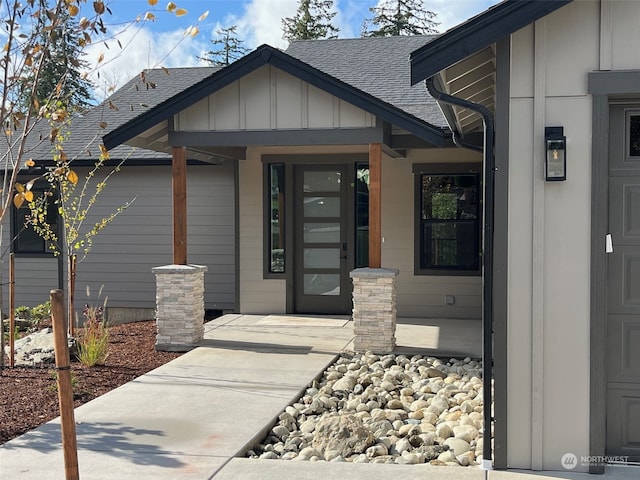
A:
[375, 205]
[179, 186]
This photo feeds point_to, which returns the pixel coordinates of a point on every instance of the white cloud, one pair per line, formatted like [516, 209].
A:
[453, 12]
[141, 49]
[258, 22]
[261, 22]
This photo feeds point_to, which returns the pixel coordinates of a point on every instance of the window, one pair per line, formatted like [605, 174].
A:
[633, 134]
[275, 236]
[448, 223]
[362, 214]
[25, 239]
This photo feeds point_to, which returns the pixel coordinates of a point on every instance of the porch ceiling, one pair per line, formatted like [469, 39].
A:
[472, 79]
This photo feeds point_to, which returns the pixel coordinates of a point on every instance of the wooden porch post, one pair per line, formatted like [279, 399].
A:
[179, 185]
[375, 205]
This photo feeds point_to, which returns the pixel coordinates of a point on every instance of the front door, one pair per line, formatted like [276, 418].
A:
[323, 254]
[623, 311]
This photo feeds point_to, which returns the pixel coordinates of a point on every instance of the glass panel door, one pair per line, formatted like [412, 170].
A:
[322, 248]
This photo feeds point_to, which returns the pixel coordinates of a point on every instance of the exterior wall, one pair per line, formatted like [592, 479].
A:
[421, 296]
[549, 229]
[35, 277]
[269, 98]
[418, 296]
[140, 238]
[256, 295]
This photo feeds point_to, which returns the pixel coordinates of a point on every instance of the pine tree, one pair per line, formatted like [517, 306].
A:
[61, 74]
[228, 48]
[399, 17]
[311, 21]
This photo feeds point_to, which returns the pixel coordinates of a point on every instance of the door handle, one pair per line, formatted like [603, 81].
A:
[608, 244]
[344, 250]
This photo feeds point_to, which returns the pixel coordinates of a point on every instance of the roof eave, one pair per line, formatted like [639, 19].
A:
[189, 96]
[268, 55]
[477, 33]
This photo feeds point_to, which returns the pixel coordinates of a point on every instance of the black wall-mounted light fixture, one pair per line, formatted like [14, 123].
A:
[555, 162]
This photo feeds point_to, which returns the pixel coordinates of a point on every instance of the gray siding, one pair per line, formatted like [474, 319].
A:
[35, 277]
[140, 238]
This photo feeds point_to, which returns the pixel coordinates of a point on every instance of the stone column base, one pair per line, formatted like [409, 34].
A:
[374, 309]
[179, 307]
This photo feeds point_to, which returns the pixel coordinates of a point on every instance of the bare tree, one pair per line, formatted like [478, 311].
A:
[34, 101]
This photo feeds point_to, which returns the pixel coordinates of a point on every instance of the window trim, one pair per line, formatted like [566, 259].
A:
[289, 161]
[629, 112]
[443, 169]
[266, 217]
[47, 251]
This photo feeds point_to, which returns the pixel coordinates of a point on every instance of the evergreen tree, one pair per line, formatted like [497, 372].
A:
[399, 17]
[228, 48]
[311, 21]
[61, 73]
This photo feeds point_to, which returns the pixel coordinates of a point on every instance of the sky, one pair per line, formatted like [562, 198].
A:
[162, 42]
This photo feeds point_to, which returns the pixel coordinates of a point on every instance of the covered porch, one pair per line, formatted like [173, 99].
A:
[441, 337]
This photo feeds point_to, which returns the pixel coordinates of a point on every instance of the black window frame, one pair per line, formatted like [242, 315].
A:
[632, 149]
[268, 271]
[448, 169]
[18, 228]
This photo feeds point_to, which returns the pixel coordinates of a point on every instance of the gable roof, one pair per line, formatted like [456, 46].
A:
[378, 66]
[264, 55]
[137, 96]
[85, 131]
[477, 33]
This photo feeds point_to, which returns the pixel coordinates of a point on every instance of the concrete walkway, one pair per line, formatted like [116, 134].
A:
[190, 418]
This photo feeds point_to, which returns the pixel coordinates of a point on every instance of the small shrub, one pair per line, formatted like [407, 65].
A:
[41, 312]
[93, 341]
[34, 315]
[23, 312]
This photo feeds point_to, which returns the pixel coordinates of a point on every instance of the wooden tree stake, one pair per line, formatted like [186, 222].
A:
[65, 389]
[12, 311]
[72, 266]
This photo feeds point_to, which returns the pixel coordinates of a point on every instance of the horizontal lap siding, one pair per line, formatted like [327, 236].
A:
[34, 279]
[140, 238]
[257, 294]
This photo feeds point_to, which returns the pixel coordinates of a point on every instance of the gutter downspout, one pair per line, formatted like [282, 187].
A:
[487, 258]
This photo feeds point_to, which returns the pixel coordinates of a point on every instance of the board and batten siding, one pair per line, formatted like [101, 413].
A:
[140, 238]
[549, 237]
[269, 98]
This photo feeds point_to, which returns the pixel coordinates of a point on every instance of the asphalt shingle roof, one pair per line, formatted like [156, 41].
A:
[378, 66]
[129, 101]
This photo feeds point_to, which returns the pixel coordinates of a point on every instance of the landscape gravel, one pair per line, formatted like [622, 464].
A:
[393, 408]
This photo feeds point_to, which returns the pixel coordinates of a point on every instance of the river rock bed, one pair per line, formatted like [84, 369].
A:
[369, 408]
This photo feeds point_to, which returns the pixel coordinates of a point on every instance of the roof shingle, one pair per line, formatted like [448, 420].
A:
[378, 66]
